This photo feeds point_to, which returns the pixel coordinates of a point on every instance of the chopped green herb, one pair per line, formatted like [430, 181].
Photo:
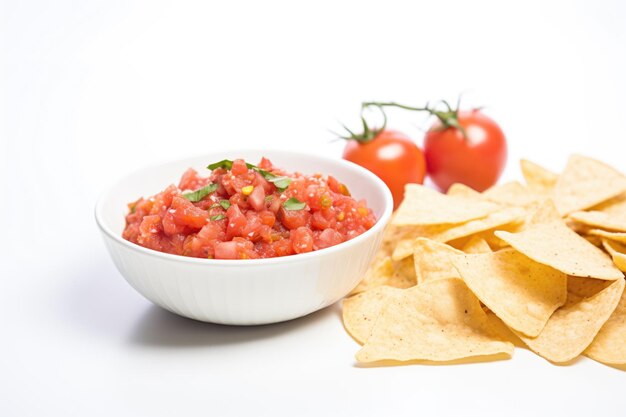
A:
[225, 204]
[294, 204]
[218, 217]
[224, 163]
[281, 182]
[198, 195]
[269, 198]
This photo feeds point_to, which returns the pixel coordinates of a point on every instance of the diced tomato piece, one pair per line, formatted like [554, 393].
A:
[302, 240]
[186, 214]
[327, 238]
[226, 250]
[236, 222]
[239, 167]
[267, 217]
[170, 227]
[191, 180]
[282, 247]
[257, 198]
[292, 219]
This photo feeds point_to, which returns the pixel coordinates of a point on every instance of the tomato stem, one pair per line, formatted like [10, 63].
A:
[368, 133]
[449, 118]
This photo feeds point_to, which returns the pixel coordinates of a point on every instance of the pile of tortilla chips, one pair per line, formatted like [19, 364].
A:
[468, 274]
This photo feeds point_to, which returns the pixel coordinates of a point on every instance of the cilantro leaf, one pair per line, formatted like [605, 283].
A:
[281, 182]
[218, 217]
[198, 195]
[294, 204]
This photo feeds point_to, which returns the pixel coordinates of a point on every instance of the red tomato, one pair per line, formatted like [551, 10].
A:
[393, 157]
[476, 160]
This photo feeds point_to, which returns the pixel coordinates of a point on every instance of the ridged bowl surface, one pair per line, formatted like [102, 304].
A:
[243, 292]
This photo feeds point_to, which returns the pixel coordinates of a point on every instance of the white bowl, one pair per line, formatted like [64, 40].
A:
[252, 291]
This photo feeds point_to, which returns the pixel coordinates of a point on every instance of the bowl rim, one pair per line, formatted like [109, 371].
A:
[381, 222]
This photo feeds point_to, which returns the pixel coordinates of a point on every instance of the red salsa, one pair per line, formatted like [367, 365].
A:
[244, 211]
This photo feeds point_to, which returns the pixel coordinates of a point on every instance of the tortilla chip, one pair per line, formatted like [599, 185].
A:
[438, 320]
[462, 190]
[403, 274]
[497, 219]
[608, 346]
[610, 215]
[549, 241]
[522, 292]
[617, 251]
[511, 194]
[572, 328]
[423, 206]
[379, 273]
[614, 236]
[538, 178]
[432, 260]
[476, 245]
[361, 311]
[586, 183]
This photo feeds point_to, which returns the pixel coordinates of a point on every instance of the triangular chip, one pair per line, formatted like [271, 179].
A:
[379, 273]
[522, 292]
[361, 311]
[572, 327]
[424, 206]
[476, 244]
[439, 320]
[610, 215]
[538, 178]
[617, 251]
[462, 190]
[586, 183]
[552, 243]
[511, 194]
[614, 236]
[496, 219]
[432, 260]
[608, 346]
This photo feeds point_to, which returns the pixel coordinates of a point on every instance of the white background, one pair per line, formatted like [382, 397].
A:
[92, 90]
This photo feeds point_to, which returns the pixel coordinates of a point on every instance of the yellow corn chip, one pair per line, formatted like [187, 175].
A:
[361, 311]
[586, 183]
[438, 320]
[538, 178]
[522, 292]
[617, 251]
[379, 273]
[552, 243]
[614, 236]
[511, 194]
[497, 219]
[572, 327]
[610, 215]
[608, 346]
[403, 274]
[462, 190]
[423, 206]
[476, 244]
[432, 260]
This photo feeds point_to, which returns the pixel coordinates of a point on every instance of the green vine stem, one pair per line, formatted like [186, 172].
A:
[369, 133]
[449, 117]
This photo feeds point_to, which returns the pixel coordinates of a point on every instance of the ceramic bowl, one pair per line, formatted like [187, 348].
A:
[247, 291]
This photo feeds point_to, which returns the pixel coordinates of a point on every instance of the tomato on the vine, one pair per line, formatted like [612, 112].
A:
[474, 154]
[389, 154]
[461, 146]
